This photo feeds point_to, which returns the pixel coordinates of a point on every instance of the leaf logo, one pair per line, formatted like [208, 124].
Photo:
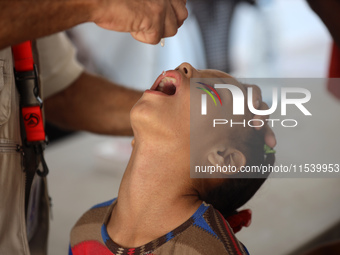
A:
[209, 90]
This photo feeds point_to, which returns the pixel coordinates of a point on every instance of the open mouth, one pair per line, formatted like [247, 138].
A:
[167, 86]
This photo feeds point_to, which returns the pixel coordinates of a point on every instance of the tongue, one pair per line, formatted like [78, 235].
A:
[169, 90]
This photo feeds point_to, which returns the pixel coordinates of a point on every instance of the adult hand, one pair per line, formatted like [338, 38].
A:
[269, 136]
[148, 21]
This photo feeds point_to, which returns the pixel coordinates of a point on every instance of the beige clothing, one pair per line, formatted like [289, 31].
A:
[58, 69]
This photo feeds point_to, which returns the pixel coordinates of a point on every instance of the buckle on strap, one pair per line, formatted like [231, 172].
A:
[31, 104]
[27, 85]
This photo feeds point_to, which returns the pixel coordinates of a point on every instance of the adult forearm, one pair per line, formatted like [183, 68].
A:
[29, 19]
[147, 21]
[328, 11]
[93, 104]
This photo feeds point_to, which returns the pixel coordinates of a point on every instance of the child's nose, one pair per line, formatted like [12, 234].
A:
[186, 69]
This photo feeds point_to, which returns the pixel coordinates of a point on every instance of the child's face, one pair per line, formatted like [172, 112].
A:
[162, 115]
[167, 102]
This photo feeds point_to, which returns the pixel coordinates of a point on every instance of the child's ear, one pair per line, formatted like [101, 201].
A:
[227, 157]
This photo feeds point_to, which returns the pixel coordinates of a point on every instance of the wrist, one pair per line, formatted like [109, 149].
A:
[87, 9]
[97, 9]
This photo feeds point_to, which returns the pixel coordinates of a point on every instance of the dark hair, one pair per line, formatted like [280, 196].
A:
[235, 192]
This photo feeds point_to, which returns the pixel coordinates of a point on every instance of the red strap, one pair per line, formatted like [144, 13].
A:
[32, 115]
[334, 71]
[23, 57]
[33, 123]
[26, 79]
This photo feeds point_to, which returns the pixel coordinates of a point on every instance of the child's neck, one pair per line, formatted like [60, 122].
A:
[152, 200]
